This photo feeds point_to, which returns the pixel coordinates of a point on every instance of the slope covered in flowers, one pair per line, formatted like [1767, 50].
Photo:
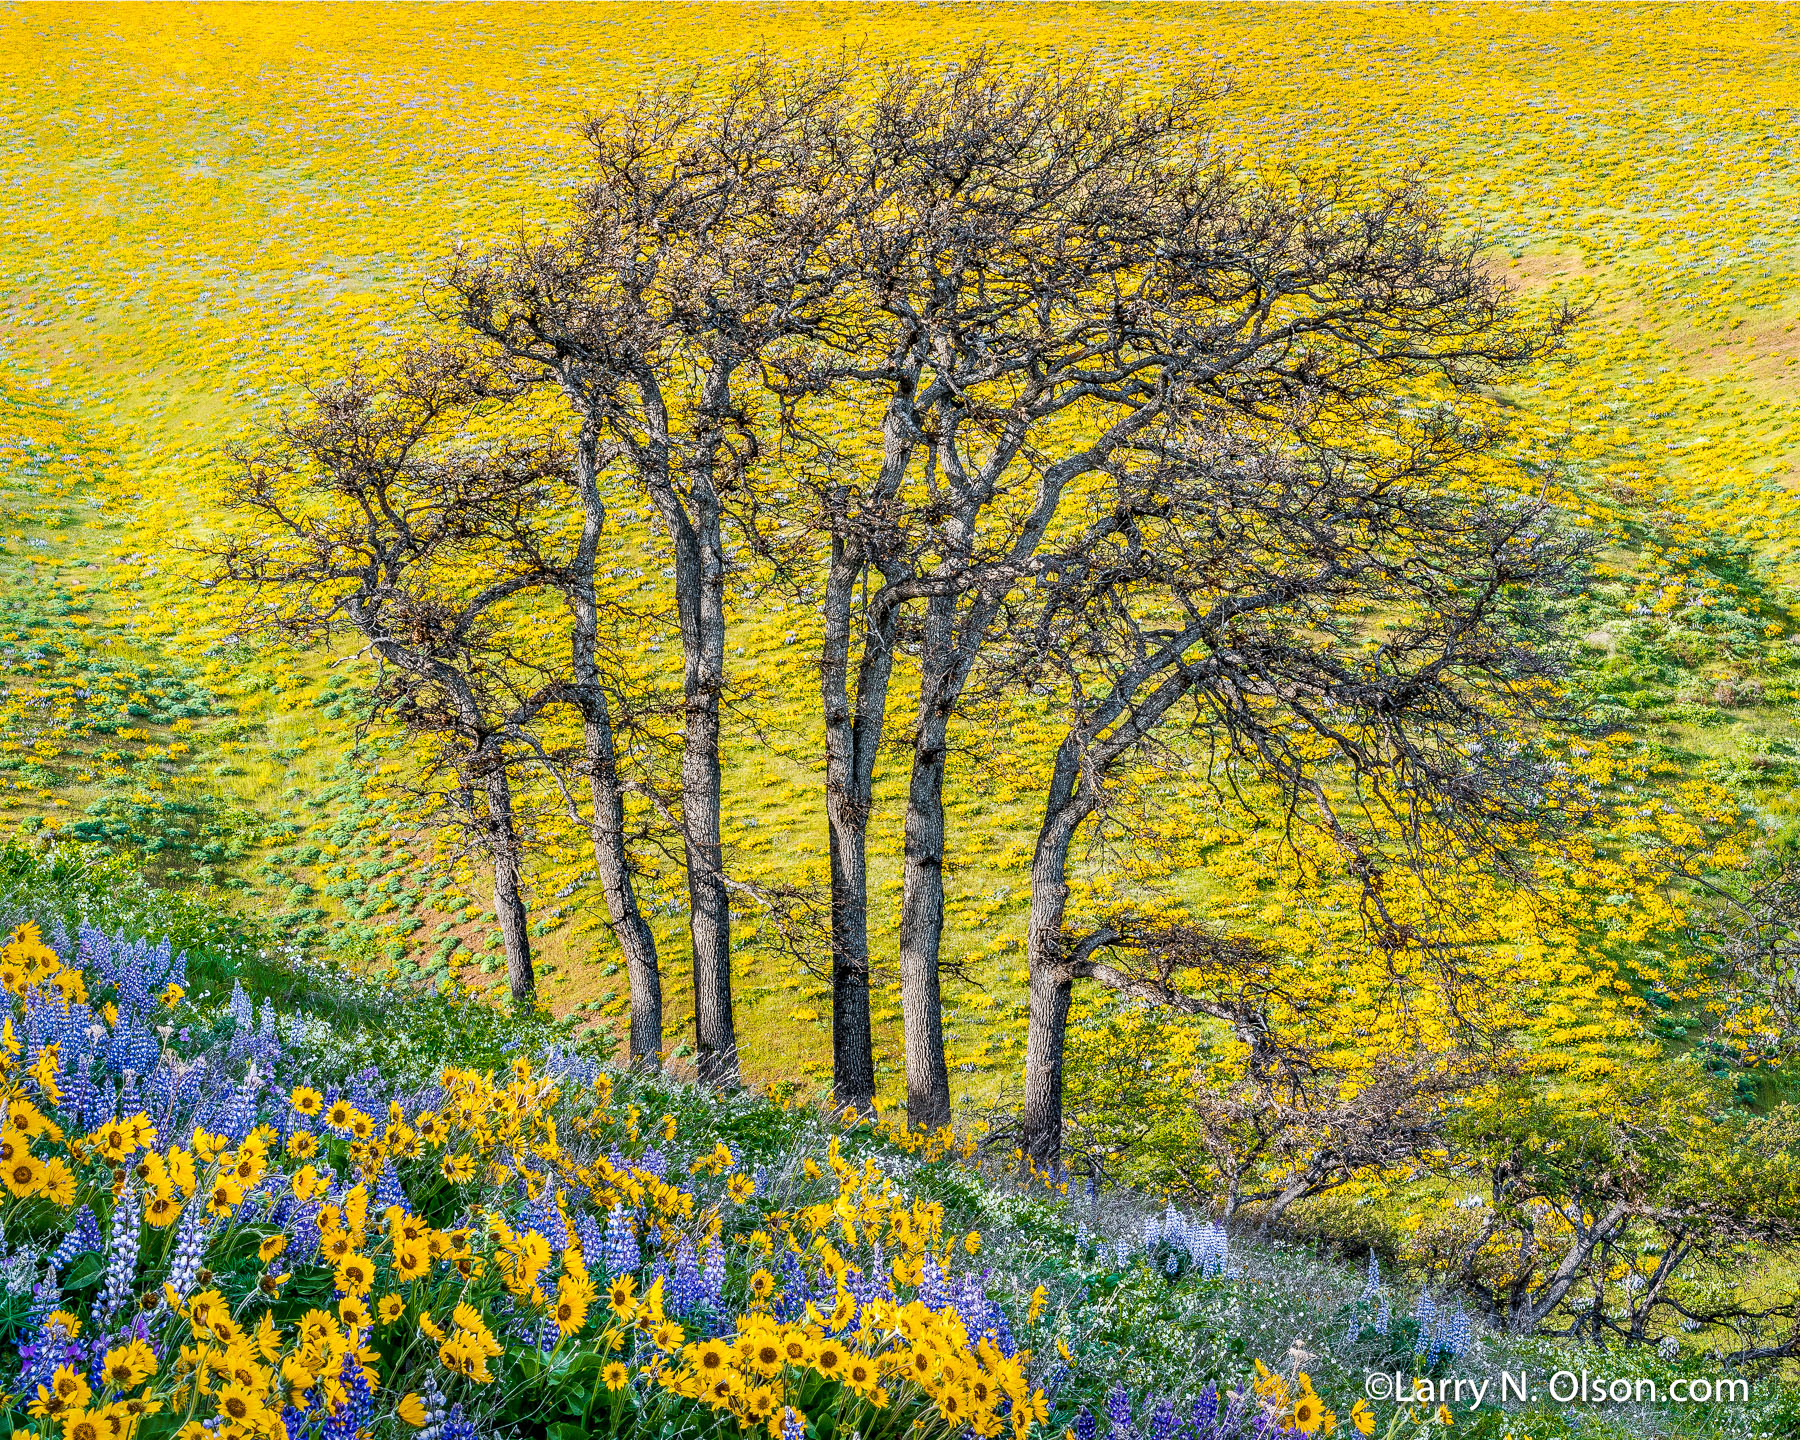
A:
[223, 202]
[219, 1219]
[211, 1229]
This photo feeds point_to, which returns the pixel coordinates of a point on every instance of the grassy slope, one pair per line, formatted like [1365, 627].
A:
[219, 201]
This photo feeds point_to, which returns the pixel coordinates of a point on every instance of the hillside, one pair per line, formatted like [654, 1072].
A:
[343, 1216]
[225, 202]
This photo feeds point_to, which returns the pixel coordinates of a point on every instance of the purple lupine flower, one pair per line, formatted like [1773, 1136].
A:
[1426, 1315]
[593, 1243]
[121, 1253]
[1205, 1413]
[357, 1407]
[931, 1284]
[1118, 1412]
[84, 1235]
[621, 1245]
[684, 1284]
[712, 1278]
[457, 1427]
[433, 1395]
[1162, 1421]
[190, 1250]
[1086, 1426]
[388, 1190]
[792, 1427]
[1232, 1421]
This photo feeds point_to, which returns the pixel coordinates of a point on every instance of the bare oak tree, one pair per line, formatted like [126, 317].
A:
[371, 522]
[698, 243]
[1227, 582]
[1055, 269]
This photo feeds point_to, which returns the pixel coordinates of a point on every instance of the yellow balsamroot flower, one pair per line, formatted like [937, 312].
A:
[59, 1183]
[574, 1294]
[210, 1147]
[224, 1196]
[667, 1336]
[25, 1119]
[762, 1351]
[353, 1310]
[828, 1359]
[619, 1296]
[462, 1355]
[740, 1188]
[161, 1210]
[467, 1317]
[412, 1410]
[22, 1172]
[122, 1139]
[412, 1259]
[430, 1327]
[406, 1227]
[861, 1374]
[206, 1307]
[390, 1308]
[458, 1169]
[1443, 1416]
[709, 1358]
[88, 1425]
[1308, 1414]
[302, 1145]
[795, 1349]
[615, 1376]
[128, 1366]
[1362, 1417]
[271, 1246]
[67, 1390]
[243, 1406]
[355, 1274]
[762, 1284]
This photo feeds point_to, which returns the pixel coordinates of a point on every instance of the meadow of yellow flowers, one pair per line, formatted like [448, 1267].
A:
[214, 206]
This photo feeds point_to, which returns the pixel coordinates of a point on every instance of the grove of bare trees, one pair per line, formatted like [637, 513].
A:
[1031, 388]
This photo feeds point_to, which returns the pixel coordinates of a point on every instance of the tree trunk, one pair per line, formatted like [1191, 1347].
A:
[853, 729]
[854, 723]
[847, 819]
[701, 598]
[509, 903]
[612, 861]
[1051, 985]
[922, 896]
[1534, 1310]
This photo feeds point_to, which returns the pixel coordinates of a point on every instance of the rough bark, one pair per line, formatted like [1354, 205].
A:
[853, 729]
[612, 863]
[606, 816]
[702, 597]
[855, 719]
[1533, 1308]
[509, 903]
[1051, 985]
[922, 893]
